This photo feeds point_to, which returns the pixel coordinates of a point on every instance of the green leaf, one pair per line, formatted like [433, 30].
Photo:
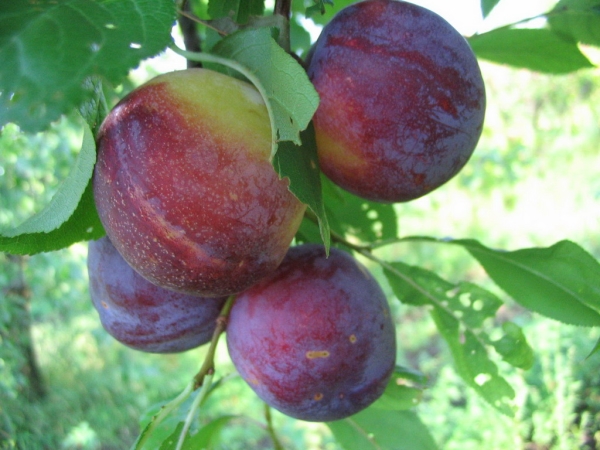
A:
[403, 391]
[542, 50]
[459, 312]
[170, 443]
[487, 6]
[595, 350]
[208, 436]
[290, 94]
[514, 348]
[578, 20]
[472, 362]
[69, 217]
[301, 165]
[378, 429]
[95, 108]
[238, 10]
[48, 49]
[561, 282]
[365, 220]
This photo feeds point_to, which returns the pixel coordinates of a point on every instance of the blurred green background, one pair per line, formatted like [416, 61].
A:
[533, 180]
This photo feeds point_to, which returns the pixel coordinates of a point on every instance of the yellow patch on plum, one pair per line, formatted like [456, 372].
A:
[313, 354]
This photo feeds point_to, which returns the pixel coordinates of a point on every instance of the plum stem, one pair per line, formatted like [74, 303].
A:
[208, 366]
[206, 57]
[189, 30]
[269, 419]
[283, 8]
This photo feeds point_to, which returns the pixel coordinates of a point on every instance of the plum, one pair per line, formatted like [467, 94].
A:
[315, 339]
[142, 315]
[402, 100]
[185, 188]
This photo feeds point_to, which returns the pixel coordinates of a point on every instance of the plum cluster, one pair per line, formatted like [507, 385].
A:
[195, 213]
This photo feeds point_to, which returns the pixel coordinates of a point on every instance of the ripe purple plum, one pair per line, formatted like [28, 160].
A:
[402, 100]
[315, 339]
[142, 315]
[185, 188]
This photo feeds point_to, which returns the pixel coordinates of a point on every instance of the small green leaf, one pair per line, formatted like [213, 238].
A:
[290, 93]
[69, 217]
[95, 108]
[301, 165]
[561, 282]
[48, 49]
[542, 50]
[514, 348]
[577, 20]
[378, 429]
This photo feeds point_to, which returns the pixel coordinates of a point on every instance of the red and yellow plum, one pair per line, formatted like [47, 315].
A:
[142, 315]
[315, 339]
[185, 188]
[402, 100]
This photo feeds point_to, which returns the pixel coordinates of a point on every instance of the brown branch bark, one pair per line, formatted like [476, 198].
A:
[189, 29]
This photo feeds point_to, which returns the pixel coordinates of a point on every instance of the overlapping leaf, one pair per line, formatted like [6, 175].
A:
[290, 93]
[48, 49]
[459, 312]
[577, 20]
[69, 217]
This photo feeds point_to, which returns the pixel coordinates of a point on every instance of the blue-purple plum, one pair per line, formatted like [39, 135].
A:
[185, 188]
[402, 100]
[142, 315]
[315, 339]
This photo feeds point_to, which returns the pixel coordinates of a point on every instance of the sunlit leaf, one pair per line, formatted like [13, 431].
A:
[49, 49]
[459, 311]
[290, 93]
[578, 20]
[378, 429]
[561, 282]
[541, 50]
[69, 217]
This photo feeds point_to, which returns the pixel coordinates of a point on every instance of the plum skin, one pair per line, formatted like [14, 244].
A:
[184, 186]
[144, 316]
[315, 339]
[402, 100]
